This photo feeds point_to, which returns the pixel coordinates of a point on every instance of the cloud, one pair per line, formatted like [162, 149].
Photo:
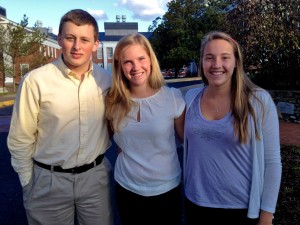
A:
[145, 10]
[98, 14]
[55, 30]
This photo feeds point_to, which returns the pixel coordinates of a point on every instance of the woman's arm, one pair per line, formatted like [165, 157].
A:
[179, 126]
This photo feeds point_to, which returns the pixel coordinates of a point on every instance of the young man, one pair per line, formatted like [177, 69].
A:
[58, 134]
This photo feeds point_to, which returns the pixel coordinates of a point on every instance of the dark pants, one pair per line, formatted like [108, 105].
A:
[162, 209]
[196, 215]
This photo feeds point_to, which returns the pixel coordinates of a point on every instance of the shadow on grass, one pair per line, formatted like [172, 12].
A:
[288, 205]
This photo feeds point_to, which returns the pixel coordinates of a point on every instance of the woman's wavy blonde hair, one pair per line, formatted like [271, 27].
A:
[118, 100]
[242, 87]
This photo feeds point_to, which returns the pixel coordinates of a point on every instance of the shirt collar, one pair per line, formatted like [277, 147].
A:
[67, 72]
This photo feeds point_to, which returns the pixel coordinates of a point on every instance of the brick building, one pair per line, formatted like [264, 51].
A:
[22, 65]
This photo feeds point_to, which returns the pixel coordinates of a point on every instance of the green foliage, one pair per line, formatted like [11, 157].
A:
[177, 38]
[268, 31]
[269, 34]
[288, 204]
[16, 41]
[154, 25]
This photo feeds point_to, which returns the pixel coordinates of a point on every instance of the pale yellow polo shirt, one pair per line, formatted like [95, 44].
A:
[57, 119]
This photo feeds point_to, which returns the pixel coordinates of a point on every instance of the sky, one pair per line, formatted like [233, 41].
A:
[50, 11]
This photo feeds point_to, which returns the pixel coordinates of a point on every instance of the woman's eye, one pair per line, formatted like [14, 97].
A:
[227, 57]
[126, 62]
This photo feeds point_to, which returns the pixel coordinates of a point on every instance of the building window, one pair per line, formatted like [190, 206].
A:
[24, 69]
[109, 53]
[109, 66]
[100, 53]
[43, 50]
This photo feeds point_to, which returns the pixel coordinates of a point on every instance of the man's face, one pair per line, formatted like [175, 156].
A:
[78, 44]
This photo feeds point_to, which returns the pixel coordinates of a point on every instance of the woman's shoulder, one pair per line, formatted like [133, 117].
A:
[262, 101]
[172, 90]
[261, 94]
[192, 93]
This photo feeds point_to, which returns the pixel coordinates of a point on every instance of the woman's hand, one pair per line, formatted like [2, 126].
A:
[265, 218]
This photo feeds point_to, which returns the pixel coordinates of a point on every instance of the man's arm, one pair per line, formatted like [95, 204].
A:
[22, 134]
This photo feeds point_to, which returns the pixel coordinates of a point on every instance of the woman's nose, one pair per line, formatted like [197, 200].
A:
[217, 63]
[135, 65]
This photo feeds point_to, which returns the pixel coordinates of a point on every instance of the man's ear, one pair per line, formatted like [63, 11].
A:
[59, 40]
[96, 45]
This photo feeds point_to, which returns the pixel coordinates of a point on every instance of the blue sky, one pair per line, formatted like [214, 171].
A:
[50, 11]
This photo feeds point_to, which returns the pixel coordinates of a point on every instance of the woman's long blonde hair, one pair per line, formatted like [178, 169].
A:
[242, 87]
[118, 100]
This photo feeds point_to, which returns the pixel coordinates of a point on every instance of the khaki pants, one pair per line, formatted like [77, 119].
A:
[56, 198]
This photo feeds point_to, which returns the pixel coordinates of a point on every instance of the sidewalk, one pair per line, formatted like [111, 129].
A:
[7, 100]
[289, 132]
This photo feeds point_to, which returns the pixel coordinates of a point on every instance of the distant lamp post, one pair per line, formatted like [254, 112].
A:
[102, 53]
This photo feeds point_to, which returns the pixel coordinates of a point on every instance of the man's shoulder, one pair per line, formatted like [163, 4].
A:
[101, 75]
[42, 70]
[98, 70]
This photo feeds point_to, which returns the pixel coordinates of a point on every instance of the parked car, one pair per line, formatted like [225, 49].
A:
[172, 72]
[168, 73]
[182, 72]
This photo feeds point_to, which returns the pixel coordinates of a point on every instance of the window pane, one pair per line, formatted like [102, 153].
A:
[24, 69]
[99, 53]
[109, 53]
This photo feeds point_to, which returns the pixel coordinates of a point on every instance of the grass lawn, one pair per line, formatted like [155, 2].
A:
[288, 205]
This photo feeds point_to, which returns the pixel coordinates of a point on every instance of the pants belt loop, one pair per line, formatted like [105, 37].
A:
[95, 163]
[52, 169]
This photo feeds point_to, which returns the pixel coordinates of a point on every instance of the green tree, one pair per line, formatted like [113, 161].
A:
[177, 38]
[18, 42]
[154, 25]
[5, 67]
[269, 33]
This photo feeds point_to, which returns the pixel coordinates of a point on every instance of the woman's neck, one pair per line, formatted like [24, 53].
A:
[141, 92]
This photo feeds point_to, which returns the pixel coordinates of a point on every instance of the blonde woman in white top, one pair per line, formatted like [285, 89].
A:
[145, 116]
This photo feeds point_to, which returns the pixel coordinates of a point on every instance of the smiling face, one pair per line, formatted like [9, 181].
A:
[77, 43]
[218, 62]
[136, 65]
